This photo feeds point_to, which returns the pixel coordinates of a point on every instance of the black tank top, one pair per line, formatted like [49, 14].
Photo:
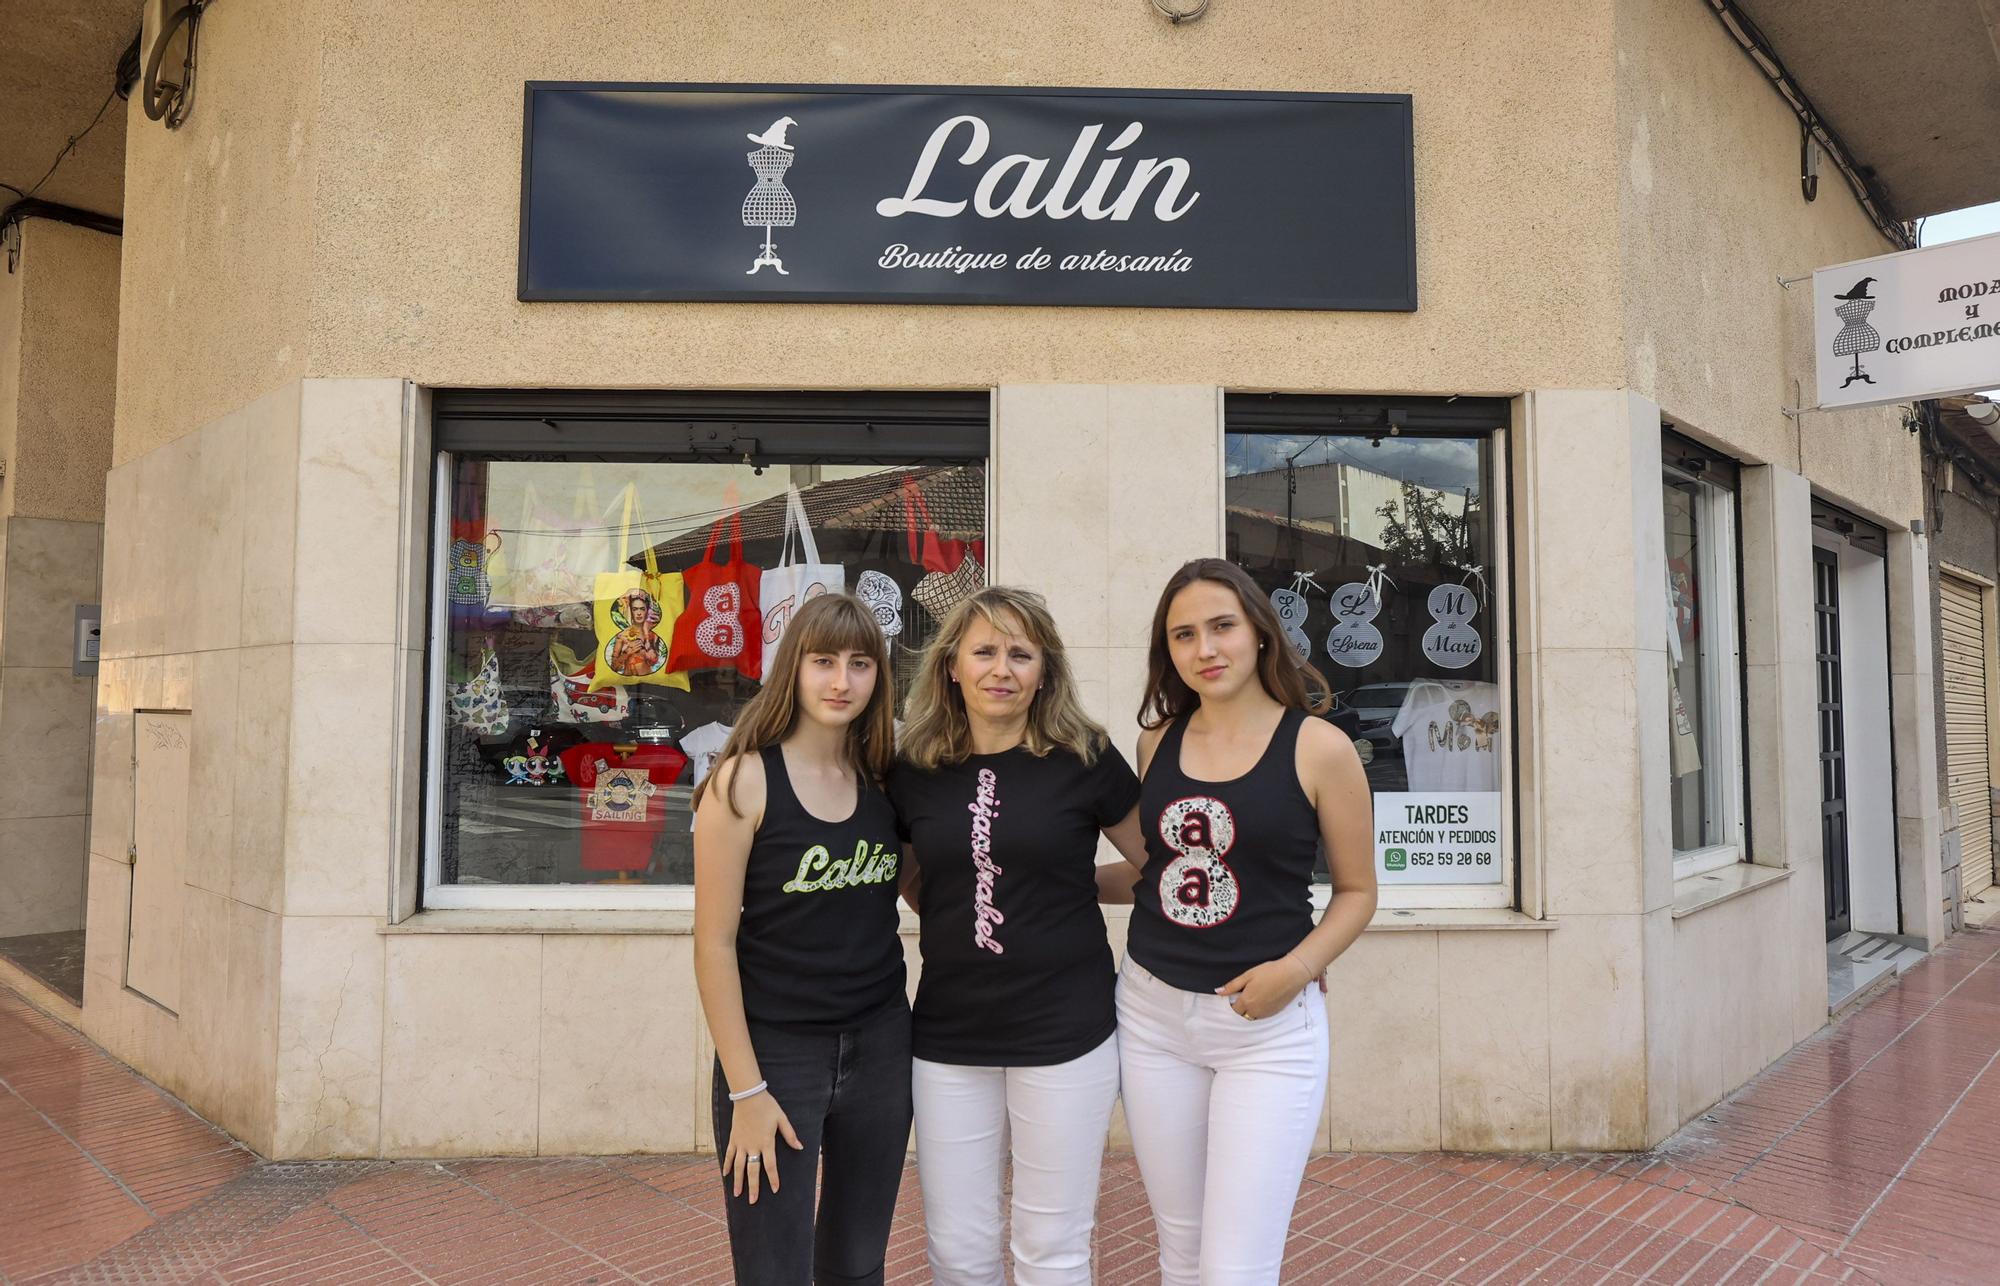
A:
[1228, 880]
[817, 948]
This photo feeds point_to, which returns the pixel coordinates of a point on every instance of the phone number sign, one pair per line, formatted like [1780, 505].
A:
[1438, 838]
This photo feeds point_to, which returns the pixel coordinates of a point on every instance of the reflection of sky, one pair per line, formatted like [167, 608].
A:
[1443, 464]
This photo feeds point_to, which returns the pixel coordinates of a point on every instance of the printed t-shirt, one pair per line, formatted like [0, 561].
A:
[1017, 971]
[702, 746]
[1451, 735]
[624, 801]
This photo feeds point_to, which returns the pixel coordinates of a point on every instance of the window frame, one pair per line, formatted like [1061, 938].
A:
[1462, 417]
[1719, 537]
[775, 429]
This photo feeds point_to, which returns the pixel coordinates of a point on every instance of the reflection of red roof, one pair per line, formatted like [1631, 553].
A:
[954, 495]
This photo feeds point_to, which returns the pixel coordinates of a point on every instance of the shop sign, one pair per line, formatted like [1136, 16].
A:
[1915, 324]
[1438, 838]
[830, 193]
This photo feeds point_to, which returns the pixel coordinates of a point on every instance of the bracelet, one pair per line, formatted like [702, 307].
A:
[752, 1092]
[1301, 964]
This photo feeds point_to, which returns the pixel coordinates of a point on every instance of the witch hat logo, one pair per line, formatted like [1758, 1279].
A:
[770, 204]
[1856, 335]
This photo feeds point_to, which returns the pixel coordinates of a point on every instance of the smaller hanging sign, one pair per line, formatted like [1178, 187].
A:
[1914, 324]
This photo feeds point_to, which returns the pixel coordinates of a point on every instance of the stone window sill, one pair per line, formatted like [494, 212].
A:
[564, 922]
[1699, 892]
[1464, 919]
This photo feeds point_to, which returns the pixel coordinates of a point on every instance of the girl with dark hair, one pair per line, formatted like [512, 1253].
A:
[801, 973]
[1222, 1038]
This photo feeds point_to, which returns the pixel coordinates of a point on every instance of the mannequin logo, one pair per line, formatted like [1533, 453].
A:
[1021, 201]
[1856, 335]
[770, 204]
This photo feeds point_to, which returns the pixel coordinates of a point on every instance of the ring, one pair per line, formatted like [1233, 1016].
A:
[754, 1159]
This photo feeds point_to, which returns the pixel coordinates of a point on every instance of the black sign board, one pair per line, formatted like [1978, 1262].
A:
[1146, 198]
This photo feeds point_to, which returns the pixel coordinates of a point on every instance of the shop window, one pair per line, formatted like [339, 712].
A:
[1704, 659]
[591, 639]
[1375, 527]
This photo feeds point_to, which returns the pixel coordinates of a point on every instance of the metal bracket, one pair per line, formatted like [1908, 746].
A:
[1789, 282]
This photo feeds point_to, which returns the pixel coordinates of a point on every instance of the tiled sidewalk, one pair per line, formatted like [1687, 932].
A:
[1846, 1161]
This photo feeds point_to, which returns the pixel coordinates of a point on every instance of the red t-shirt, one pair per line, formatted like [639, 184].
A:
[624, 800]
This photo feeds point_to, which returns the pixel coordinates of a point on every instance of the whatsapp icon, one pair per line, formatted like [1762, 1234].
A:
[1395, 859]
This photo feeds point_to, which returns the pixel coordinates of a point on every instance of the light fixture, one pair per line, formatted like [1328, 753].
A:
[1183, 11]
[167, 91]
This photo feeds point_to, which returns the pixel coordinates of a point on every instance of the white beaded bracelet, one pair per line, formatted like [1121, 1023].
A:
[752, 1092]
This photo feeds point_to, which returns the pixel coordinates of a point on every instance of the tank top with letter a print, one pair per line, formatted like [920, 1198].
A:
[1228, 880]
[817, 947]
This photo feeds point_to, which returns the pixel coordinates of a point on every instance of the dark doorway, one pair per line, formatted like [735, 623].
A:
[1832, 742]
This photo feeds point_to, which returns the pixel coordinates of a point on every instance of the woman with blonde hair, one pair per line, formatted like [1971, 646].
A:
[1222, 1037]
[1002, 786]
[797, 868]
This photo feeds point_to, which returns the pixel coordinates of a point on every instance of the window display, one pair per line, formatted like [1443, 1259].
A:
[1703, 659]
[602, 618]
[1378, 550]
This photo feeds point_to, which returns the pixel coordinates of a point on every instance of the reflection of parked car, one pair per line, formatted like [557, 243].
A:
[1344, 717]
[1375, 706]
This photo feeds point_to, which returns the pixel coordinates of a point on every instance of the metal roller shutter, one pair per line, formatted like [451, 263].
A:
[1968, 774]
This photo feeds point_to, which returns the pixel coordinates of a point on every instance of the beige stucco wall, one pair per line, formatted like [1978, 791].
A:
[60, 380]
[219, 219]
[345, 202]
[1710, 217]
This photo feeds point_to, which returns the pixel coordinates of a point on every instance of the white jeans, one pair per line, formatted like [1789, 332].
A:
[1223, 1113]
[1058, 1116]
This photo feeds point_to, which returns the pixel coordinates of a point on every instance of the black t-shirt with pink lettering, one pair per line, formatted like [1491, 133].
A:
[1017, 971]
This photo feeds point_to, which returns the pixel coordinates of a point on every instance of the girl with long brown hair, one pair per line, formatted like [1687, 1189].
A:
[1003, 787]
[797, 867]
[1222, 1038]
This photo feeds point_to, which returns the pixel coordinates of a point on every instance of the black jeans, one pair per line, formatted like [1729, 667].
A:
[847, 1096]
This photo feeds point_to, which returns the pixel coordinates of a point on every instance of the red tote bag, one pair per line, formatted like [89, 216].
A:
[722, 627]
[929, 550]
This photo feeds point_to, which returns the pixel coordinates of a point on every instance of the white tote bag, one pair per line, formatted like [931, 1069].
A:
[798, 578]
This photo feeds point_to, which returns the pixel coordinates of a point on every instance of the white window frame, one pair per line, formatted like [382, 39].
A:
[1499, 577]
[440, 896]
[1721, 678]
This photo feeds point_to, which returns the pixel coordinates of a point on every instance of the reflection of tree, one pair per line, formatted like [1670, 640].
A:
[1427, 531]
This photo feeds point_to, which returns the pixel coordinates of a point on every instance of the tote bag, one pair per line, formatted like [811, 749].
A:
[551, 562]
[570, 695]
[722, 627]
[634, 612]
[792, 584]
[952, 568]
[468, 587]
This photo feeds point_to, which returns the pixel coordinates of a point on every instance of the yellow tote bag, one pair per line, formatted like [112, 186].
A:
[634, 612]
